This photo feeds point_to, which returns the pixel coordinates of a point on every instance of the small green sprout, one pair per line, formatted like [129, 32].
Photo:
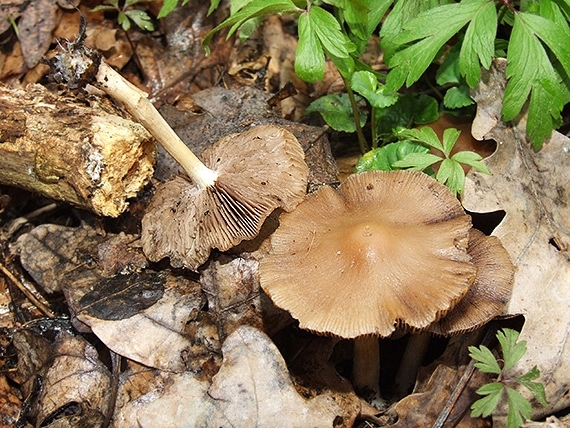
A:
[503, 387]
[413, 153]
[139, 17]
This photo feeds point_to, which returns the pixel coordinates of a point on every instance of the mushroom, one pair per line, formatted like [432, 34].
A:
[225, 201]
[484, 300]
[384, 250]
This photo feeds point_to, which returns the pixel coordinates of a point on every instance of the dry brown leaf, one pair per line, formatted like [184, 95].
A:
[252, 388]
[9, 404]
[35, 27]
[532, 188]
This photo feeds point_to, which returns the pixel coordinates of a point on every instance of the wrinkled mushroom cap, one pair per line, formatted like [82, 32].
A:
[488, 294]
[258, 171]
[384, 249]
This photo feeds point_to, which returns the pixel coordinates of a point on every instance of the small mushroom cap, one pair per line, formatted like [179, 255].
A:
[488, 294]
[384, 249]
[258, 171]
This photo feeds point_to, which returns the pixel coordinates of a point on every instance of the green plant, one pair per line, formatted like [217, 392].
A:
[126, 14]
[504, 386]
[413, 152]
[417, 33]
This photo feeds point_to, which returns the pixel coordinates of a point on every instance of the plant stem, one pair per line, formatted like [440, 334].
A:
[356, 115]
[374, 129]
[137, 103]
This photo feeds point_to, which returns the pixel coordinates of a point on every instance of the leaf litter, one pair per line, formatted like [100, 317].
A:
[200, 339]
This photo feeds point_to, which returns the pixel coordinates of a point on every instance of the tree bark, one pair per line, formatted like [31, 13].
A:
[74, 148]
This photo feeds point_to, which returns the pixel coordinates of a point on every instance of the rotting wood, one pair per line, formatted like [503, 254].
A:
[80, 151]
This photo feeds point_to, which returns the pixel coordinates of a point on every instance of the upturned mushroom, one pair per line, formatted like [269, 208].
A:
[384, 250]
[226, 198]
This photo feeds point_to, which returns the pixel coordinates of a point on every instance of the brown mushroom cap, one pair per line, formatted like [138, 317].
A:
[384, 249]
[488, 294]
[258, 171]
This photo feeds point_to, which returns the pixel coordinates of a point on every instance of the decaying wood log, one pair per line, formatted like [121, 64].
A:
[80, 151]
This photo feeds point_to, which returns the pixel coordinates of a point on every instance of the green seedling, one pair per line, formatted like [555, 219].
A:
[503, 388]
[126, 14]
[413, 152]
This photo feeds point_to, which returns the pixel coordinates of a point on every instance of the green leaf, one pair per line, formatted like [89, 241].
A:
[487, 362]
[328, 30]
[472, 159]
[124, 21]
[252, 10]
[512, 351]
[450, 136]
[486, 405]
[477, 48]
[537, 77]
[424, 135]
[423, 38]
[384, 158]
[458, 97]
[106, 7]
[452, 175]
[519, 409]
[213, 5]
[167, 7]
[336, 111]
[409, 110]
[536, 388]
[417, 161]
[448, 71]
[366, 84]
[141, 18]
[309, 58]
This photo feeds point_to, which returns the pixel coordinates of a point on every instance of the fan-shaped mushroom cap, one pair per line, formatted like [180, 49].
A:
[490, 292]
[385, 248]
[258, 171]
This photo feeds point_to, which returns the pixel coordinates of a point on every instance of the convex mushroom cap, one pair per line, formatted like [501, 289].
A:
[385, 249]
[257, 171]
[490, 292]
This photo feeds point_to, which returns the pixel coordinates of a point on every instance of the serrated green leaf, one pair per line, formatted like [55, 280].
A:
[409, 110]
[424, 135]
[384, 158]
[458, 97]
[536, 388]
[519, 409]
[487, 362]
[452, 175]
[537, 77]
[328, 30]
[124, 21]
[472, 159]
[450, 136]
[448, 71]
[213, 5]
[486, 405]
[477, 48]
[141, 18]
[512, 351]
[252, 10]
[423, 38]
[366, 84]
[336, 110]
[104, 7]
[309, 58]
[418, 161]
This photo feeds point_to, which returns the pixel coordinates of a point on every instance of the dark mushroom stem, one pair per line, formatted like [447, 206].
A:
[414, 354]
[366, 369]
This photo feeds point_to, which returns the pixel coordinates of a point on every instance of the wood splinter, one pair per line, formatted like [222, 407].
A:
[244, 177]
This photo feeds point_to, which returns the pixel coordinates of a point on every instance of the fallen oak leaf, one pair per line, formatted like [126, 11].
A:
[532, 188]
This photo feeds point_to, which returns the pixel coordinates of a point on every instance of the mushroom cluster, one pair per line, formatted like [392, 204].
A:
[384, 251]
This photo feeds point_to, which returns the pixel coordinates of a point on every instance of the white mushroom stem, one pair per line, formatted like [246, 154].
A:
[137, 104]
[366, 366]
[411, 361]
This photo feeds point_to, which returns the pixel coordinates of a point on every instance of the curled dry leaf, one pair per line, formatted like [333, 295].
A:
[252, 388]
[532, 188]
